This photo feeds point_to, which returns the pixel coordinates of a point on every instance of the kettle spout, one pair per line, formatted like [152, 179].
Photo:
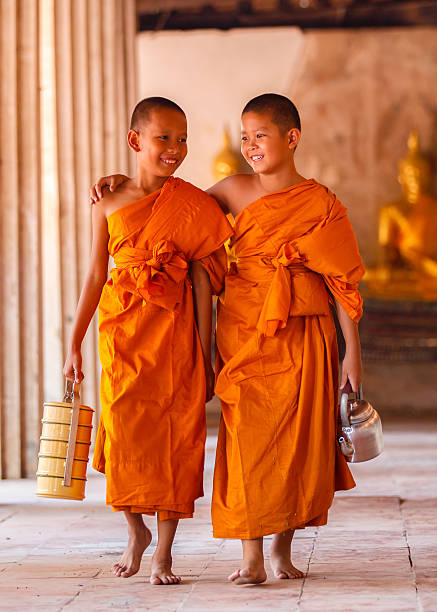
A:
[346, 446]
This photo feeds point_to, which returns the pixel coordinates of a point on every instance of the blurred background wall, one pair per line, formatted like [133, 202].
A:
[359, 94]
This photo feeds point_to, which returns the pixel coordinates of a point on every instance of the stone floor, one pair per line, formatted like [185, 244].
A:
[378, 552]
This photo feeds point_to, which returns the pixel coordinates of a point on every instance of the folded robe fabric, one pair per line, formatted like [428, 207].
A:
[151, 436]
[278, 462]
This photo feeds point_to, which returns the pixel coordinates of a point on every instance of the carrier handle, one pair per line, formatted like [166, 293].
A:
[72, 394]
[69, 391]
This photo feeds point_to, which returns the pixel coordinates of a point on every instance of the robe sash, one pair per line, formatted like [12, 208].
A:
[294, 289]
[159, 273]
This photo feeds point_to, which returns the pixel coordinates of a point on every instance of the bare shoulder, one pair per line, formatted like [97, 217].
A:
[113, 200]
[230, 189]
[234, 182]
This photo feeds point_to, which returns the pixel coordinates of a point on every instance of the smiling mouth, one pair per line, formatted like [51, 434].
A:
[256, 158]
[170, 161]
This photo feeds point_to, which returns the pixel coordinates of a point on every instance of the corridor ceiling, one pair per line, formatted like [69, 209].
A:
[226, 14]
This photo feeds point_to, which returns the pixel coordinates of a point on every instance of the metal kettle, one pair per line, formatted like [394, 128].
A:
[360, 433]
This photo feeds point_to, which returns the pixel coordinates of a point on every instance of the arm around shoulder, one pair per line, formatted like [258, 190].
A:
[225, 190]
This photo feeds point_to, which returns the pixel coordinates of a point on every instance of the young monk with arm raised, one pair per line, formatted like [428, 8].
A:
[154, 358]
[278, 463]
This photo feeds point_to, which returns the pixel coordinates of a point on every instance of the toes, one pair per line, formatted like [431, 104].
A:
[170, 579]
[295, 573]
[119, 570]
[234, 575]
[299, 575]
[282, 575]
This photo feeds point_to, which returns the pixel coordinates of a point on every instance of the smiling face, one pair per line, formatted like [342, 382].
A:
[160, 142]
[265, 147]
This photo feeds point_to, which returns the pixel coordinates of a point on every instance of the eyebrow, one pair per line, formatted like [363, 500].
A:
[263, 127]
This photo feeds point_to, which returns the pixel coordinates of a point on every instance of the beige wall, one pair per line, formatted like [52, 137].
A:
[359, 93]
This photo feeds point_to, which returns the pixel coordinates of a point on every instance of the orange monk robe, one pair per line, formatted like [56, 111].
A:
[278, 462]
[151, 436]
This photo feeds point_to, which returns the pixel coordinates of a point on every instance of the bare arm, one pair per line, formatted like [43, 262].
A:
[203, 310]
[352, 368]
[219, 192]
[90, 294]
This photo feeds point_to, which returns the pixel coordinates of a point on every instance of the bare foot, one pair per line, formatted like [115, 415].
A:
[253, 574]
[162, 573]
[283, 568]
[129, 564]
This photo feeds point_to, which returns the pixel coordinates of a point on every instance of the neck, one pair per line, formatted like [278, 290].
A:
[279, 180]
[148, 183]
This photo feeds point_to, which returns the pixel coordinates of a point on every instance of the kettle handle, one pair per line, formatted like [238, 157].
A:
[346, 390]
[343, 409]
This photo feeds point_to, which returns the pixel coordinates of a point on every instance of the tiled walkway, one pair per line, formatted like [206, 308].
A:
[378, 553]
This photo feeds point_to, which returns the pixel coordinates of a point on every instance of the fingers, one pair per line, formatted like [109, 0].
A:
[78, 374]
[344, 379]
[73, 375]
[93, 195]
[96, 191]
[349, 383]
[68, 372]
[73, 368]
[355, 383]
[99, 186]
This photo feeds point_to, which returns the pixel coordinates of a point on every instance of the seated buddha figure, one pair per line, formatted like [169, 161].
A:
[226, 161]
[408, 227]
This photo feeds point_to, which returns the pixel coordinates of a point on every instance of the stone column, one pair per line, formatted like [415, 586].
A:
[67, 77]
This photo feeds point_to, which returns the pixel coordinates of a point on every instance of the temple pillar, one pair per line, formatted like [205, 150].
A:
[67, 78]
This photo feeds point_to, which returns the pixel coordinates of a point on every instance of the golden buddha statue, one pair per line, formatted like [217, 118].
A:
[408, 234]
[226, 161]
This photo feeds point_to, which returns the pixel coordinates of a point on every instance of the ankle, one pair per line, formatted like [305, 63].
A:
[253, 560]
[137, 531]
[162, 556]
[283, 548]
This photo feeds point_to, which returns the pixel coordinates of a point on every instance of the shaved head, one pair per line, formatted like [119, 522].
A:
[143, 109]
[282, 111]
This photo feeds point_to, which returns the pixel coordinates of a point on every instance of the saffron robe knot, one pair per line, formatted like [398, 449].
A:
[295, 290]
[159, 273]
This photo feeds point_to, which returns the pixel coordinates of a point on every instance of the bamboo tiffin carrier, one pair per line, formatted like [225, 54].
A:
[64, 447]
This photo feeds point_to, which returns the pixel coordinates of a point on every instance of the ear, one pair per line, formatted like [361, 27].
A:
[293, 138]
[133, 139]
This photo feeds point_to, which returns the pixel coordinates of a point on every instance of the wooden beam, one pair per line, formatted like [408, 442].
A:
[333, 15]
[152, 6]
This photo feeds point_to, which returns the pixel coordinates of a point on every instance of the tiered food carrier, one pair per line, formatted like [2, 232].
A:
[64, 447]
